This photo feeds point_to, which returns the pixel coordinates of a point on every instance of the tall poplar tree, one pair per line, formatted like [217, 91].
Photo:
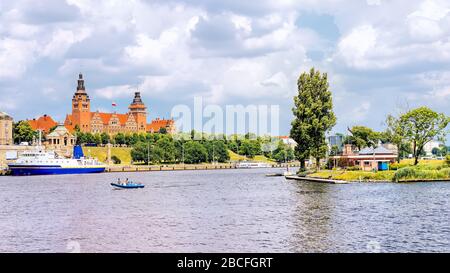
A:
[313, 116]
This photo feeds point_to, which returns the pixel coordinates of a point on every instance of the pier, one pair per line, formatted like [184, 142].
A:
[316, 180]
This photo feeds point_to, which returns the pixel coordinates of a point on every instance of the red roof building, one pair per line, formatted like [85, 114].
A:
[44, 123]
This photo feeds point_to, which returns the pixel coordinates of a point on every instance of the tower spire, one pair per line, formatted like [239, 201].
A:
[80, 82]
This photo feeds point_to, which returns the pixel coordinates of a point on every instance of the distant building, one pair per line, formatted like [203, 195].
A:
[428, 148]
[288, 141]
[44, 123]
[336, 140]
[6, 128]
[61, 140]
[135, 121]
[367, 159]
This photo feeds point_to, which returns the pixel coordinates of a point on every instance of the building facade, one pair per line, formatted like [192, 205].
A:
[135, 121]
[367, 159]
[61, 141]
[6, 128]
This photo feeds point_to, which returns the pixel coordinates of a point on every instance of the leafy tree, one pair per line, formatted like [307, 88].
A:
[436, 151]
[283, 153]
[23, 132]
[420, 126]
[217, 151]
[233, 145]
[89, 138]
[314, 117]
[362, 137]
[163, 130]
[119, 138]
[167, 147]
[194, 152]
[105, 138]
[97, 139]
[334, 150]
[395, 135]
[250, 148]
[146, 152]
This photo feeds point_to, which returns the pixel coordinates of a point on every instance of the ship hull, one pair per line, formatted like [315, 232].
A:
[52, 170]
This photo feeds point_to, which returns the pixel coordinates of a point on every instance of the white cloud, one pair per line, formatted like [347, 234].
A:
[15, 56]
[62, 40]
[358, 45]
[114, 92]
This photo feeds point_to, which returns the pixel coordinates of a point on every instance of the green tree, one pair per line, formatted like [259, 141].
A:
[97, 139]
[436, 151]
[168, 150]
[217, 151]
[395, 135]
[194, 152]
[119, 138]
[250, 148]
[420, 126]
[283, 153]
[23, 132]
[313, 116]
[163, 130]
[105, 138]
[146, 152]
[362, 137]
[334, 150]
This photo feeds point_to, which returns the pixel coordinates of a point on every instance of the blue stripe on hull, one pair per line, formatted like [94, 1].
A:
[47, 171]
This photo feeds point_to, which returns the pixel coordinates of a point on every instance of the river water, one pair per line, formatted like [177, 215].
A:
[220, 211]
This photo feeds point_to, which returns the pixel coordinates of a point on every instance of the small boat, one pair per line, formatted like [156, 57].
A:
[129, 185]
[274, 174]
[251, 165]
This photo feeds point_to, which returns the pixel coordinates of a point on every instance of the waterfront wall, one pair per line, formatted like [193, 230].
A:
[180, 167]
[9, 148]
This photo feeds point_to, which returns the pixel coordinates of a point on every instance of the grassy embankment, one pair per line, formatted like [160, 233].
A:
[427, 170]
[124, 155]
[102, 152]
[259, 158]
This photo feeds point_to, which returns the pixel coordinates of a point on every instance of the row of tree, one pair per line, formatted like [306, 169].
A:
[167, 149]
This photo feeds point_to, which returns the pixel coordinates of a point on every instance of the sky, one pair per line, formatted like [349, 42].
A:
[381, 56]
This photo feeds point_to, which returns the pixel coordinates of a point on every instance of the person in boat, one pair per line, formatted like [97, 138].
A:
[127, 182]
[118, 181]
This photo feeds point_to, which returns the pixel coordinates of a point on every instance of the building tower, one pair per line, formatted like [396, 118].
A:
[139, 111]
[81, 107]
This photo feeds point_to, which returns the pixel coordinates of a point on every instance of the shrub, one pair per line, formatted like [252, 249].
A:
[447, 160]
[354, 168]
[115, 159]
[398, 166]
[412, 173]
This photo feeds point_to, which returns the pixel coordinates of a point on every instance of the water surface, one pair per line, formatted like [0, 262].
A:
[220, 211]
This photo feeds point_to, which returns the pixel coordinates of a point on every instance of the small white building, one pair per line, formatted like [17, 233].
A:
[288, 141]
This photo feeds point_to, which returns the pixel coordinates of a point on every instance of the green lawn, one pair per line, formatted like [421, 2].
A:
[125, 157]
[101, 153]
[427, 170]
[355, 175]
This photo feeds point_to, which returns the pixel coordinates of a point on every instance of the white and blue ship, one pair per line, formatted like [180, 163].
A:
[41, 162]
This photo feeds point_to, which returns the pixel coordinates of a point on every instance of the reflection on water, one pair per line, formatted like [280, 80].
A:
[219, 211]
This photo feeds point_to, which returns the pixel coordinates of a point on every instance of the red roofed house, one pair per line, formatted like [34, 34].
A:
[44, 123]
[97, 122]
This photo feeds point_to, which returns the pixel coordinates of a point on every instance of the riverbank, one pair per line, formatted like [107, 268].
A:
[176, 167]
[181, 167]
